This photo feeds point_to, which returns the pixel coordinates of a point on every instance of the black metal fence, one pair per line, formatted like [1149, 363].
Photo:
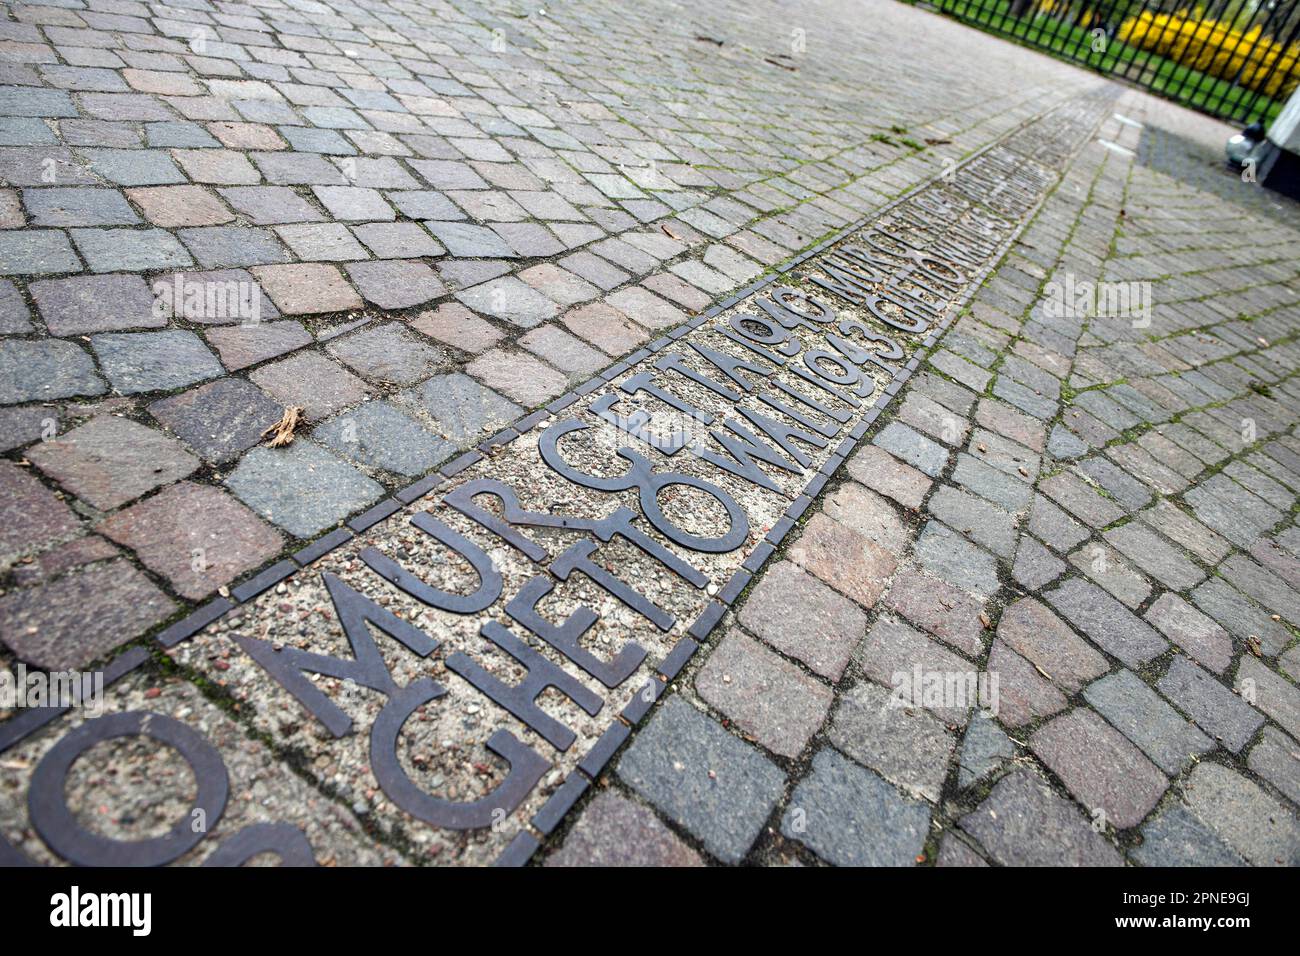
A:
[1236, 59]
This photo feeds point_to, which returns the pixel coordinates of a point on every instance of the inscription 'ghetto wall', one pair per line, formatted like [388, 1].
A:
[457, 672]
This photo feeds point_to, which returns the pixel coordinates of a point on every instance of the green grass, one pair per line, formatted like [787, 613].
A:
[1160, 74]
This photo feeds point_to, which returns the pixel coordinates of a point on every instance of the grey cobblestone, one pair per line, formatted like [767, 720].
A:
[462, 408]
[1250, 821]
[1175, 837]
[1163, 562]
[1008, 492]
[31, 371]
[945, 553]
[320, 492]
[36, 252]
[1274, 758]
[378, 435]
[154, 361]
[983, 523]
[1139, 713]
[805, 619]
[1023, 823]
[1218, 712]
[851, 817]
[709, 782]
[614, 831]
[1270, 692]
[1035, 567]
[1106, 622]
[892, 648]
[767, 697]
[984, 750]
[913, 448]
[907, 746]
[219, 420]
[1105, 566]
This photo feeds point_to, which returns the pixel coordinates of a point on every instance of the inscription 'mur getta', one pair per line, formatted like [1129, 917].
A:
[484, 641]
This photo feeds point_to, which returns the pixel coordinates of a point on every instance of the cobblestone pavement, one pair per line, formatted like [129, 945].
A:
[425, 223]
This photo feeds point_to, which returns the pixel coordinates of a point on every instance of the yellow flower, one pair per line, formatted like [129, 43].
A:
[1249, 58]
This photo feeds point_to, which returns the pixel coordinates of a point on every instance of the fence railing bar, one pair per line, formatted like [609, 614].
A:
[1039, 25]
[1248, 110]
[1266, 34]
[1113, 45]
[1207, 86]
[1150, 51]
[1003, 12]
[1062, 19]
[1217, 100]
